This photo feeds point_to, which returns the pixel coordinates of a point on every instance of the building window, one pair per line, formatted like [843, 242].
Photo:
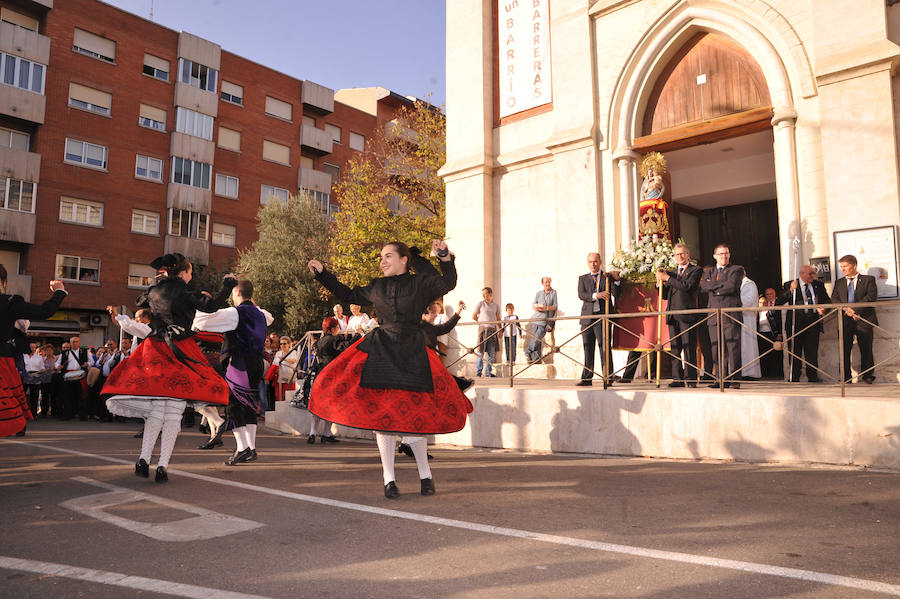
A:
[232, 93]
[80, 212]
[84, 153]
[357, 142]
[88, 98]
[194, 123]
[321, 200]
[278, 108]
[76, 268]
[227, 186]
[276, 152]
[229, 139]
[196, 74]
[16, 140]
[152, 117]
[223, 234]
[16, 18]
[268, 191]
[144, 221]
[21, 73]
[17, 195]
[148, 168]
[335, 133]
[141, 276]
[333, 170]
[188, 172]
[184, 223]
[156, 67]
[95, 46]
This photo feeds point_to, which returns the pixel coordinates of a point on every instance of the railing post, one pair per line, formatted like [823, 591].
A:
[720, 334]
[605, 358]
[841, 350]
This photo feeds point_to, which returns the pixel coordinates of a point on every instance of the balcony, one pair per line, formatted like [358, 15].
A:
[19, 285]
[192, 148]
[18, 164]
[188, 197]
[30, 45]
[314, 141]
[194, 98]
[17, 226]
[314, 180]
[22, 104]
[396, 130]
[197, 250]
[317, 99]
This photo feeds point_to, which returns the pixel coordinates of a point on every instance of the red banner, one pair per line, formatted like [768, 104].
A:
[641, 332]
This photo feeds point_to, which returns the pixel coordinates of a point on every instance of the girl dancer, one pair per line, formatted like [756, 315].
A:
[388, 381]
[167, 369]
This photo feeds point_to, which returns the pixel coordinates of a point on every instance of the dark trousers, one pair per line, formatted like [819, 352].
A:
[96, 406]
[592, 337]
[864, 337]
[805, 345]
[46, 399]
[772, 363]
[240, 413]
[683, 344]
[74, 400]
[633, 359]
[705, 348]
[32, 393]
[731, 331]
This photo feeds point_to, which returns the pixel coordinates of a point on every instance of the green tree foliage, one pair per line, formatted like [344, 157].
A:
[290, 235]
[391, 192]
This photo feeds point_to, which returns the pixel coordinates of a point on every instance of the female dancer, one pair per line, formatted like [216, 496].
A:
[167, 369]
[14, 410]
[388, 381]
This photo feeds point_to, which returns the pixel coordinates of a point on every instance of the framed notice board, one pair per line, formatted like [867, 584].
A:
[875, 249]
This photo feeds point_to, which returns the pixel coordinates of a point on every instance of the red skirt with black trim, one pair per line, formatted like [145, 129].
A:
[14, 412]
[338, 397]
[153, 371]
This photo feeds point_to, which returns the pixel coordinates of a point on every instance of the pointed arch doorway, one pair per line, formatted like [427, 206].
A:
[710, 114]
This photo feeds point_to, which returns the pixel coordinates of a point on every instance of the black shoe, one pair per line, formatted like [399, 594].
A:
[692, 385]
[21, 433]
[405, 450]
[211, 444]
[869, 380]
[238, 457]
[427, 486]
[581, 383]
[463, 383]
[161, 475]
[734, 385]
[142, 468]
[390, 490]
[715, 385]
[624, 380]
[253, 456]
[707, 377]
[139, 435]
[815, 380]
[328, 439]
[676, 384]
[204, 428]
[311, 439]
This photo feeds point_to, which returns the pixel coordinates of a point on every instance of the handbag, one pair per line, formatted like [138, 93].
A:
[272, 374]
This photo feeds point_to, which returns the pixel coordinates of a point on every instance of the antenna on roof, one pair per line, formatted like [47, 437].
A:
[151, 10]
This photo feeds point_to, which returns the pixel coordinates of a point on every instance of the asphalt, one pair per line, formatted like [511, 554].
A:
[502, 524]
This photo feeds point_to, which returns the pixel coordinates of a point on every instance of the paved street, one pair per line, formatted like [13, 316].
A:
[311, 520]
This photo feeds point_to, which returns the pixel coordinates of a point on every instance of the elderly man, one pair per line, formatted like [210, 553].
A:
[680, 287]
[544, 305]
[804, 290]
[73, 364]
[854, 287]
[595, 291]
[722, 283]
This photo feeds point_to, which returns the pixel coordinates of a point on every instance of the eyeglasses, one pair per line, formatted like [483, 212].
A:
[285, 344]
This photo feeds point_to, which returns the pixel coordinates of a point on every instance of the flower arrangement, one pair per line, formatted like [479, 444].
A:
[641, 260]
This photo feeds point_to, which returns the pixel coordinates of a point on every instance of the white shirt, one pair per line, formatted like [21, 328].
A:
[133, 327]
[34, 362]
[222, 321]
[73, 371]
[358, 322]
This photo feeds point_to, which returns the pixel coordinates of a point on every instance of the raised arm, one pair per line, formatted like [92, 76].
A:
[357, 295]
[19, 308]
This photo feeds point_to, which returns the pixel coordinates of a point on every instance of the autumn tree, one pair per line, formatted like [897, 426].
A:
[290, 235]
[391, 192]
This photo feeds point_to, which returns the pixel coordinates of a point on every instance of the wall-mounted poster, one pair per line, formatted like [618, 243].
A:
[875, 249]
[822, 268]
[523, 43]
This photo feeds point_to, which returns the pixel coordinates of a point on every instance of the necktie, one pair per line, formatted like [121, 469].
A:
[680, 270]
[809, 299]
[718, 272]
[851, 291]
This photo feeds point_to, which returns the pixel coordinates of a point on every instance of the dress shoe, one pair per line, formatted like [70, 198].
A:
[311, 439]
[676, 384]
[715, 385]
[464, 383]
[692, 385]
[238, 457]
[204, 428]
[427, 486]
[139, 435]
[707, 377]
[211, 444]
[624, 380]
[161, 475]
[142, 468]
[869, 380]
[734, 385]
[21, 433]
[405, 450]
[816, 380]
[253, 456]
[583, 383]
[390, 490]
[328, 439]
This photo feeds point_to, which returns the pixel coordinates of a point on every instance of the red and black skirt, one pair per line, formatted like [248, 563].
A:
[337, 396]
[14, 412]
[153, 372]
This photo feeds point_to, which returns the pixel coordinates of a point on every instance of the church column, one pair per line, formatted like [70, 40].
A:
[628, 197]
[787, 187]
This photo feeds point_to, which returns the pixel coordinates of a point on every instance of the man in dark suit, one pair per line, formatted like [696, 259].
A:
[72, 364]
[595, 290]
[680, 288]
[805, 289]
[722, 283]
[854, 287]
[770, 327]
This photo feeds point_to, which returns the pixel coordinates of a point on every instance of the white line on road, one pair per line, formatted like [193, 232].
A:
[118, 579]
[685, 558]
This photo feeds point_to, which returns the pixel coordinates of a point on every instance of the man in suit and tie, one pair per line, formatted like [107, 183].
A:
[680, 288]
[595, 290]
[805, 289]
[722, 283]
[854, 287]
[770, 327]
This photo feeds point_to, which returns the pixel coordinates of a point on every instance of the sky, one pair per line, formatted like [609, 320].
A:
[397, 44]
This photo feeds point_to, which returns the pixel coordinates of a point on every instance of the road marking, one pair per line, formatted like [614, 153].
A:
[685, 558]
[205, 525]
[153, 585]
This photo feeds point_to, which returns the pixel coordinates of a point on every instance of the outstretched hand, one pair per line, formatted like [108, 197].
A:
[315, 267]
[439, 249]
[113, 311]
[56, 285]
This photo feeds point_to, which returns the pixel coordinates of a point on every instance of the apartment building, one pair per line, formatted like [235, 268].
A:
[121, 140]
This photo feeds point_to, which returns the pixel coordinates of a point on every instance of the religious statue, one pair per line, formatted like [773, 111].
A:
[653, 211]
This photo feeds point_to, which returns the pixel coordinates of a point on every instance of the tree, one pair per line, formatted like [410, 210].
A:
[391, 192]
[290, 234]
